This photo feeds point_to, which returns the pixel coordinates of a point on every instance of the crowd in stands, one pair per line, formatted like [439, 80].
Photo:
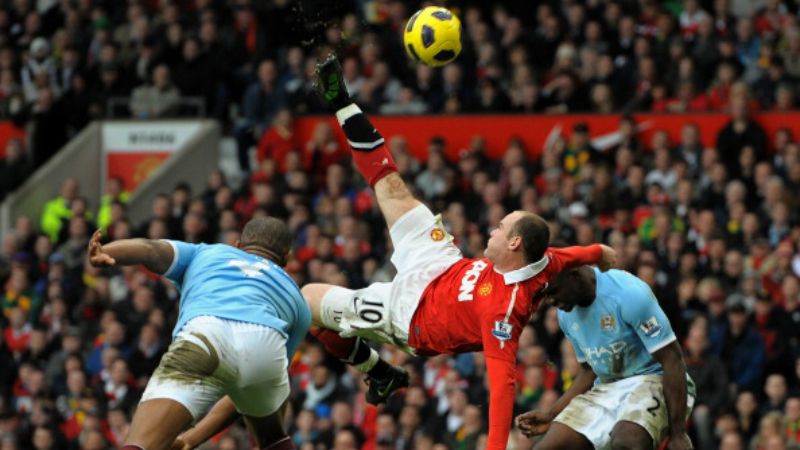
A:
[64, 63]
[715, 231]
[716, 238]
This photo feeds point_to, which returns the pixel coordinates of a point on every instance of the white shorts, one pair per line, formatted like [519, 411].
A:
[382, 312]
[638, 399]
[211, 357]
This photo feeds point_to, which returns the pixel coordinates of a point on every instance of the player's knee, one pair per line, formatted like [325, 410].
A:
[546, 444]
[310, 291]
[553, 441]
[630, 436]
[392, 187]
[628, 441]
[314, 293]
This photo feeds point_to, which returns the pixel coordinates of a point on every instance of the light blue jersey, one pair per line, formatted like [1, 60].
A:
[618, 333]
[225, 282]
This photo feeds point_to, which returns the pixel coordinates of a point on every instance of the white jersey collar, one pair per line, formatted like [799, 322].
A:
[527, 272]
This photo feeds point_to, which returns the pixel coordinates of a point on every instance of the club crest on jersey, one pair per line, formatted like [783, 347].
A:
[607, 322]
[502, 330]
[437, 234]
[651, 327]
[485, 289]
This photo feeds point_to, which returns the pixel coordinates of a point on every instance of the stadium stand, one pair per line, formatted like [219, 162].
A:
[714, 229]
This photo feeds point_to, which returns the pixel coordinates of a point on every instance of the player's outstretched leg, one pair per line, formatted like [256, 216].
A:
[371, 157]
[382, 377]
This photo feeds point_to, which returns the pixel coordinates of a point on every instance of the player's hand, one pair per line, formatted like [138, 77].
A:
[329, 81]
[609, 258]
[96, 256]
[534, 423]
[182, 443]
[679, 441]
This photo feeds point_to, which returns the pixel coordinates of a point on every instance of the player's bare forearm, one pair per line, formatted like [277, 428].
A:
[671, 359]
[221, 416]
[582, 383]
[155, 255]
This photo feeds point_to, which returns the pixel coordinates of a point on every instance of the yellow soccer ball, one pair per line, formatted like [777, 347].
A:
[433, 36]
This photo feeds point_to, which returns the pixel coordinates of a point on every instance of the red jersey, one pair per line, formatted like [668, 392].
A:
[472, 307]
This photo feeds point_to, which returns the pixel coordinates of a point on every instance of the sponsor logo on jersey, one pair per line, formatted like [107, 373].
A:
[651, 327]
[249, 269]
[469, 279]
[596, 353]
[502, 330]
[607, 322]
[485, 289]
[437, 234]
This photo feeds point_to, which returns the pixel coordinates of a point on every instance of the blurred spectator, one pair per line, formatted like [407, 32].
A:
[58, 209]
[192, 74]
[710, 379]
[278, 140]
[407, 103]
[740, 132]
[49, 131]
[14, 167]
[158, 99]
[261, 101]
[579, 152]
[110, 84]
[39, 71]
[741, 347]
[115, 193]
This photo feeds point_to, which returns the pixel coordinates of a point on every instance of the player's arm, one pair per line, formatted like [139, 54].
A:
[582, 383]
[222, 415]
[534, 423]
[156, 256]
[642, 312]
[570, 257]
[671, 359]
[500, 334]
[502, 376]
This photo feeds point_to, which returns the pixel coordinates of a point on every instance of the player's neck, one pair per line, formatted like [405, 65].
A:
[264, 253]
[509, 264]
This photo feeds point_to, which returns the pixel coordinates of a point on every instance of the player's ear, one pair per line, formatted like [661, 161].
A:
[515, 243]
[237, 244]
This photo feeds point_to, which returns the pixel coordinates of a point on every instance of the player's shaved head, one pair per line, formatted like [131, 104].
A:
[572, 287]
[535, 235]
[270, 235]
